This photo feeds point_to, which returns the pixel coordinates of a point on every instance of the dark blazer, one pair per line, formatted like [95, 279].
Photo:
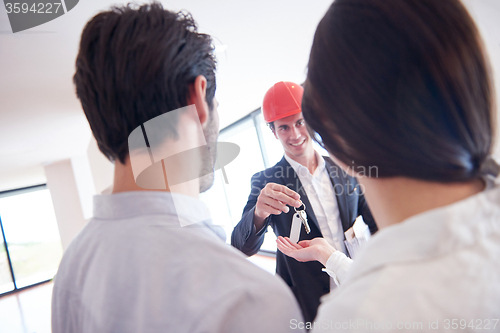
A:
[306, 279]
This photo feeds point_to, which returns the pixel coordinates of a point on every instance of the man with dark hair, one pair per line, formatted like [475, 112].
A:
[134, 267]
[331, 198]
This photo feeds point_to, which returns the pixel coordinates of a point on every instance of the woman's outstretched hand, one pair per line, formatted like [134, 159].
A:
[306, 250]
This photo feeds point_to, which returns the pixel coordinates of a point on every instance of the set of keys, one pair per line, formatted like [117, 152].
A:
[303, 216]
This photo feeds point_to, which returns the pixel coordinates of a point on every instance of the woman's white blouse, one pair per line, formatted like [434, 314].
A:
[337, 266]
[434, 272]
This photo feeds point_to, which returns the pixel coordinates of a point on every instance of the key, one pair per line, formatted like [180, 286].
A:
[303, 216]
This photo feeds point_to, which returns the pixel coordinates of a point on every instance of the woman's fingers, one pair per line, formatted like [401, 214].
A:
[285, 243]
[292, 244]
[305, 243]
[285, 246]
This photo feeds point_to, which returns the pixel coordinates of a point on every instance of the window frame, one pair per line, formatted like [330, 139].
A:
[8, 193]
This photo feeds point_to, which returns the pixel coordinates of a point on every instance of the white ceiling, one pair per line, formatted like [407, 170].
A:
[41, 120]
[267, 41]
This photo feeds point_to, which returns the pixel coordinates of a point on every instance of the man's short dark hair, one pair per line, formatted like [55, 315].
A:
[271, 125]
[136, 63]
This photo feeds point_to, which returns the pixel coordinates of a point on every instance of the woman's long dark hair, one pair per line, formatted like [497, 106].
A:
[401, 85]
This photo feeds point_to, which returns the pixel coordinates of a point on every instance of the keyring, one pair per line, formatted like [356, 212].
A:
[303, 204]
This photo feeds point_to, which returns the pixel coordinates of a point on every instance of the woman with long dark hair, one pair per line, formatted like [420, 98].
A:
[403, 87]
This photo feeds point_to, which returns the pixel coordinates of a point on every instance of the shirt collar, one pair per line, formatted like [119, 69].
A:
[186, 209]
[302, 170]
[432, 233]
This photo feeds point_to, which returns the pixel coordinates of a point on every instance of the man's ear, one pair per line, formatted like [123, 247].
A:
[197, 96]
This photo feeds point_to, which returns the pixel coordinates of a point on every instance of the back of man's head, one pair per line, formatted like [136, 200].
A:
[136, 63]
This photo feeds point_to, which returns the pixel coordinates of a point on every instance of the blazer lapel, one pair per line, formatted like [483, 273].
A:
[339, 188]
[292, 181]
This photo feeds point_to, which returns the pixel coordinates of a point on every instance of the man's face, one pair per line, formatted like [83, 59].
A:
[293, 135]
[211, 132]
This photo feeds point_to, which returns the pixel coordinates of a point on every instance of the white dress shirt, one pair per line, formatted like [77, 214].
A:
[319, 189]
[133, 268]
[432, 272]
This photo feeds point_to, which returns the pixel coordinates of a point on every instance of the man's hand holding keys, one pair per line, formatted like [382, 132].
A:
[274, 199]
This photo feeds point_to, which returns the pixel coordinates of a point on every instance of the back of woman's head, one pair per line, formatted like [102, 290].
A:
[401, 85]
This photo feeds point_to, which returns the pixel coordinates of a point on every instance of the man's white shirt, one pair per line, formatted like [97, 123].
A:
[133, 268]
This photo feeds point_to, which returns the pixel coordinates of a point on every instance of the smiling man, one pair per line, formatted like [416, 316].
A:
[332, 199]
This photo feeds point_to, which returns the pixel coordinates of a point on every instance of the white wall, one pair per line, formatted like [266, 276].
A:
[61, 180]
[73, 183]
[16, 178]
[486, 14]
[102, 169]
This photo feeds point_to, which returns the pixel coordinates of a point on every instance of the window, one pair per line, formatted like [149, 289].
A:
[6, 282]
[31, 248]
[273, 148]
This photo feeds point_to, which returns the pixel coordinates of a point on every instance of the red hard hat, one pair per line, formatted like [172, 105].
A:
[282, 100]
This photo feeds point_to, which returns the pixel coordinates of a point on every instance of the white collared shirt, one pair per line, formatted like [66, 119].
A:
[319, 190]
[433, 268]
[134, 268]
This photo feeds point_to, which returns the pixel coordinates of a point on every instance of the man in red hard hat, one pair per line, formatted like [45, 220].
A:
[303, 179]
